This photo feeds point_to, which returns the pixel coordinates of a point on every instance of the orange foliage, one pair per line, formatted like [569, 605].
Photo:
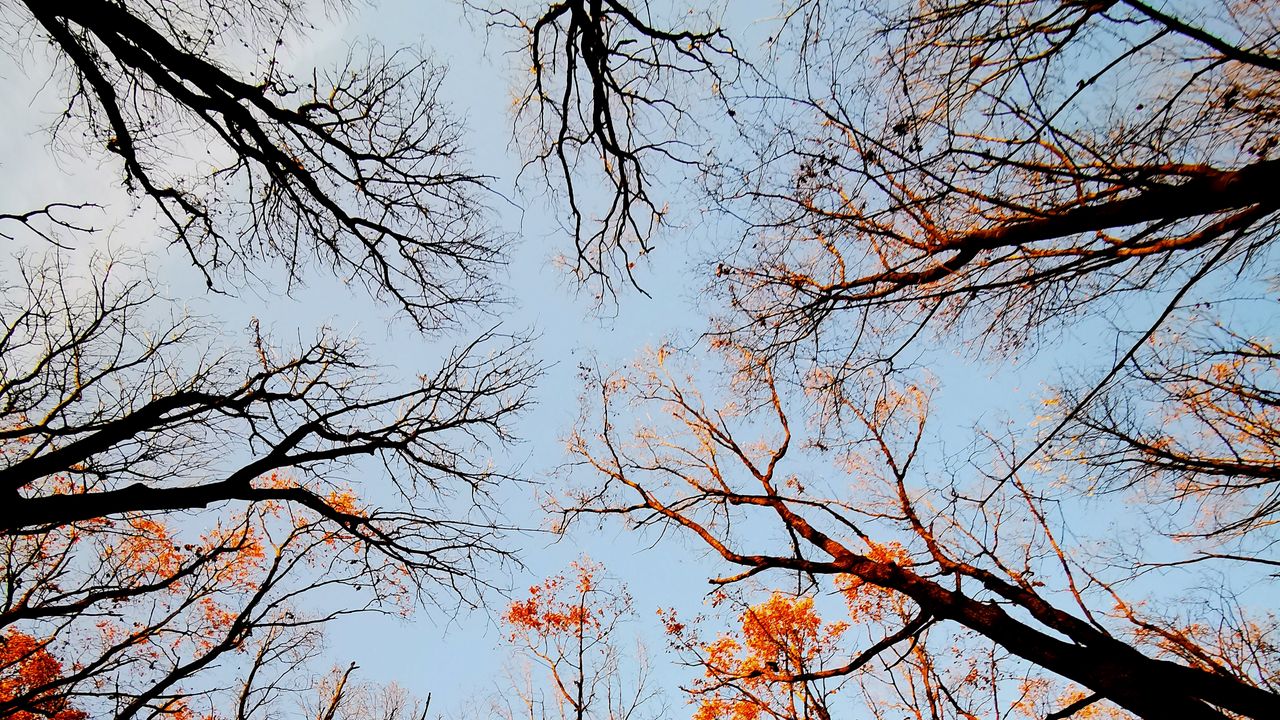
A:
[869, 602]
[787, 631]
[27, 666]
[547, 613]
[780, 637]
[148, 548]
[569, 625]
[343, 501]
[180, 592]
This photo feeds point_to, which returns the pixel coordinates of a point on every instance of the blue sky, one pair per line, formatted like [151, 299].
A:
[458, 656]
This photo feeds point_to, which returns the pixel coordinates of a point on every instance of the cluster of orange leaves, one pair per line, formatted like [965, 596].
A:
[749, 672]
[545, 613]
[26, 665]
[138, 551]
[781, 636]
[146, 546]
[344, 501]
[868, 602]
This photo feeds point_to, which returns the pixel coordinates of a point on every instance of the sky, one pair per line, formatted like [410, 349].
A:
[457, 656]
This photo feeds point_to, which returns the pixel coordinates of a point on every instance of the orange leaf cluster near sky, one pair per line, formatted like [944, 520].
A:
[28, 669]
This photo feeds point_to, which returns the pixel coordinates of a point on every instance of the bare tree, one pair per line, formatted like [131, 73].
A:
[359, 169]
[171, 496]
[341, 698]
[605, 97]
[183, 511]
[1192, 421]
[899, 165]
[995, 166]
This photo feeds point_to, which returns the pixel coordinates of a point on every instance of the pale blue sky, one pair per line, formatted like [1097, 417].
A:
[458, 657]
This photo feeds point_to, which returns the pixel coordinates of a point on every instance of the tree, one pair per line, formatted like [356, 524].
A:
[170, 500]
[341, 699]
[360, 169]
[781, 637]
[184, 510]
[571, 627]
[1192, 421]
[982, 174]
[29, 667]
[601, 103]
[1005, 163]
[986, 552]
[997, 166]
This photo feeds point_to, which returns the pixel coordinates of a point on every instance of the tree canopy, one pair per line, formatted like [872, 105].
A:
[881, 206]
